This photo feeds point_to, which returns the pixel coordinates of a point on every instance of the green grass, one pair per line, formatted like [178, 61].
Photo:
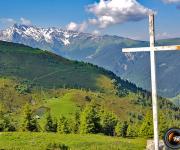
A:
[46, 69]
[62, 106]
[39, 141]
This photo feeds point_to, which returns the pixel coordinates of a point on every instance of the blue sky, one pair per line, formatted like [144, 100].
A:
[60, 13]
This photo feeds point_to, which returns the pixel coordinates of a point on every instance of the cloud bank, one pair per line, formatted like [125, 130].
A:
[7, 21]
[77, 27]
[25, 21]
[176, 2]
[11, 21]
[171, 1]
[109, 12]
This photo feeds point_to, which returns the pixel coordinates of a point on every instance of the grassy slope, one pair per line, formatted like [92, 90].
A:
[51, 71]
[65, 102]
[74, 100]
[75, 142]
[64, 105]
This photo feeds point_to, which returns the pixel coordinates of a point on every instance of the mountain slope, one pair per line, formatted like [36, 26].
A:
[104, 51]
[48, 82]
[48, 70]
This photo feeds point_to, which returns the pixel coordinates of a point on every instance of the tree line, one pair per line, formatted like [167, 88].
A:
[94, 119]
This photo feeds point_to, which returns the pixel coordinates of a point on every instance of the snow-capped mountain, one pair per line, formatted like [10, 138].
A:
[63, 42]
[53, 39]
[104, 51]
[34, 36]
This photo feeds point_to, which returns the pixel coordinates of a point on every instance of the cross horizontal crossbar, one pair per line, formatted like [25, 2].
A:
[147, 49]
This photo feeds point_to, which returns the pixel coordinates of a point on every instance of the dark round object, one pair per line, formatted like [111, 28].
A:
[172, 138]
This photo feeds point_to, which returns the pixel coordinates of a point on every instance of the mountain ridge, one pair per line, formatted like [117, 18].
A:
[105, 51]
[35, 65]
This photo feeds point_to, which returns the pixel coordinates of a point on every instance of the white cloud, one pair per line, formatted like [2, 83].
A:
[165, 35]
[25, 21]
[176, 2]
[171, 1]
[109, 12]
[72, 26]
[96, 32]
[7, 21]
[77, 27]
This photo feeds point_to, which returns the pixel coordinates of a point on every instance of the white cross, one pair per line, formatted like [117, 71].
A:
[152, 49]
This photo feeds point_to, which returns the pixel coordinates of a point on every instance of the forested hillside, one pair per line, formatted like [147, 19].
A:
[43, 92]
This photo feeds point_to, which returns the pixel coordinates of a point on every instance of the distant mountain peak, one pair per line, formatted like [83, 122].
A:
[32, 35]
[20, 33]
[21, 26]
[104, 51]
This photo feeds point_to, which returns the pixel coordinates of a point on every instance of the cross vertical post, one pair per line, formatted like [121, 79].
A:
[153, 80]
[153, 49]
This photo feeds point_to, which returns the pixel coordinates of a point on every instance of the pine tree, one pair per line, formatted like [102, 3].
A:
[51, 125]
[108, 122]
[121, 129]
[163, 124]
[76, 123]
[64, 126]
[118, 129]
[132, 130]
[30, 122]
[146, 129]
[90, 119]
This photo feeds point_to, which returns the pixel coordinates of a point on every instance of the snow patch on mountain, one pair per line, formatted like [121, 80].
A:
[46, 35]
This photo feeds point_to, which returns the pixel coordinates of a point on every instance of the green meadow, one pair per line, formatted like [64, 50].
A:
[40, 141]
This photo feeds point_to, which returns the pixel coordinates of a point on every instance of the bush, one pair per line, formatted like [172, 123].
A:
[7, 124]
[55, 146]
[24, 87]
[2, 125]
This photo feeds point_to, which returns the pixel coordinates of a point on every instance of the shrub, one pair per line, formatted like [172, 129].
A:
[7, 124]
[55, 146]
